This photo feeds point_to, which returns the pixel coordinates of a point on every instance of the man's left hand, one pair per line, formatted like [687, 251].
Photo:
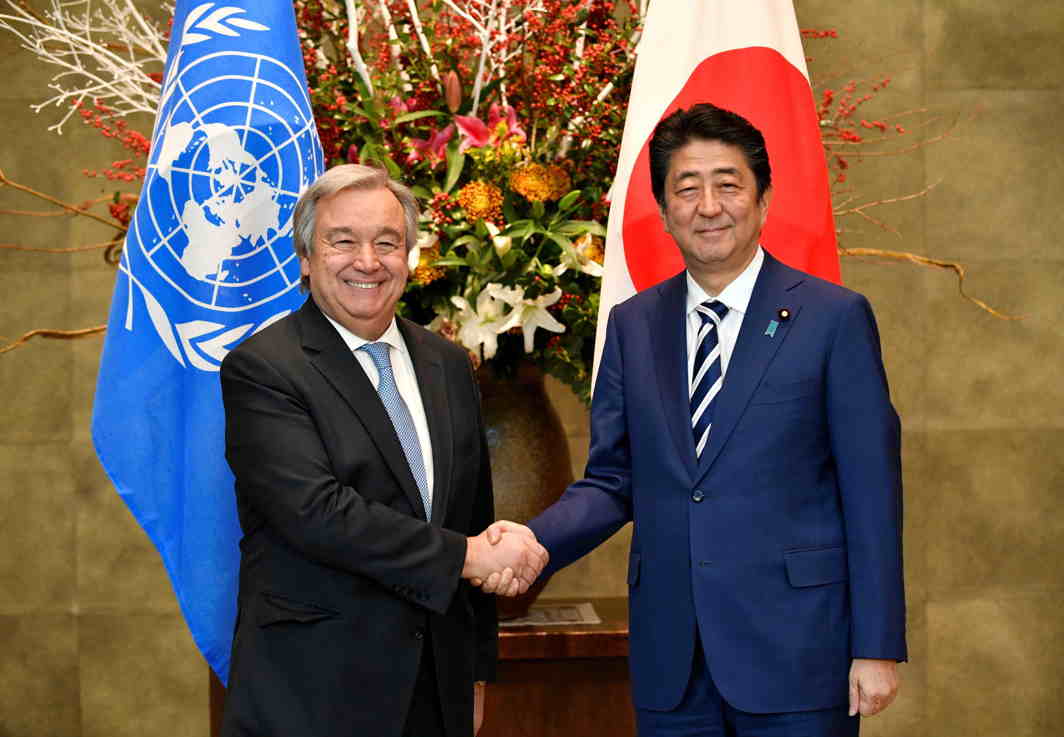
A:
[873, 685]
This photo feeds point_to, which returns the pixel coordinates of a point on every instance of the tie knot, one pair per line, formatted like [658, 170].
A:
[710, 308]
[379, 353]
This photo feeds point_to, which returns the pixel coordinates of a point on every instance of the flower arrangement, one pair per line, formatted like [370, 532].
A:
[504, 118]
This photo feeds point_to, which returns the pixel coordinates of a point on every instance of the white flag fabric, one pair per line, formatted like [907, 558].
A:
[745, 57]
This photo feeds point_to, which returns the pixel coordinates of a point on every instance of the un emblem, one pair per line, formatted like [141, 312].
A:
[210, 247]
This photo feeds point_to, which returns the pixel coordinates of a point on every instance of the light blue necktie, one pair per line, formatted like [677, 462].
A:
[401, 419]
[706, 379]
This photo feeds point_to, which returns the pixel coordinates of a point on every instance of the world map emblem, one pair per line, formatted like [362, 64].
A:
[209, 247]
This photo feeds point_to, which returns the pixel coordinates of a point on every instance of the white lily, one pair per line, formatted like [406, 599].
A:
[579, 257]
[502, 243]
[478, 328]
[529, 314]
[424, 240]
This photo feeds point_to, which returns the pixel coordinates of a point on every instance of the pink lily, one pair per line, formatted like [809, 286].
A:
[433, 149]
[475, 133]
[399, 107]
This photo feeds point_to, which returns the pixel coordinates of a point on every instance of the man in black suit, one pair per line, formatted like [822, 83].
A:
[363, 488]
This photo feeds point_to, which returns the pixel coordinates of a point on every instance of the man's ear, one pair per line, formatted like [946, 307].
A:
[763, 203]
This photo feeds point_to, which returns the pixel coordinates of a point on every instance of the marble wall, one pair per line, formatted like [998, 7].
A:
[91, 639]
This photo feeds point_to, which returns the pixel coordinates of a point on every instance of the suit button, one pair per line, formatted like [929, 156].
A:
[705, 563]
[419, 634]
[698, 496]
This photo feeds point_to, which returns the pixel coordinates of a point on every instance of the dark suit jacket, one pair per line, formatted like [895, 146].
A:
[341, 576]
[783, 545]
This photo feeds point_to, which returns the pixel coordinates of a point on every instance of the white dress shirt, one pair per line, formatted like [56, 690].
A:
[736, 296]
[405, 381]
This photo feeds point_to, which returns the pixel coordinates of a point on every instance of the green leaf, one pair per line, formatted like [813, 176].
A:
[562, 241]
[578, 227]
[449, 261]
[417, 116]
[569, 201]
[508, 211]
[464, 240]
[376, 153]
[455, 163]
[510, 258]
[519, 229]
[538, 208]
[421, 192]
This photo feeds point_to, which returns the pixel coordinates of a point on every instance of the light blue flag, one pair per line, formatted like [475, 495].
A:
[208, 261]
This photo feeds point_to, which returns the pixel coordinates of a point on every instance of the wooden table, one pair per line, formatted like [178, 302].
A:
[563, 681]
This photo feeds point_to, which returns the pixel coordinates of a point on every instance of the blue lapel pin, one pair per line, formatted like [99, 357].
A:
[770, 331]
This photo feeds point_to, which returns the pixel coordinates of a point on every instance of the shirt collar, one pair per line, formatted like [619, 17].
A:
[391, 336]
[736, 296]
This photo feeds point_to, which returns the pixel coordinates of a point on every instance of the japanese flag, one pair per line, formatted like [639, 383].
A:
[745, 57]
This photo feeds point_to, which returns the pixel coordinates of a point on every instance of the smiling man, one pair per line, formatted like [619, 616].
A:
[741, 421]
[363, 488]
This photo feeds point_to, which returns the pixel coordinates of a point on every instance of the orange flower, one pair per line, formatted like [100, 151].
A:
[481, 201]
[539, 182]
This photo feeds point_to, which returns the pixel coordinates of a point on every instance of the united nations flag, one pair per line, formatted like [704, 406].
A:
[208, 261]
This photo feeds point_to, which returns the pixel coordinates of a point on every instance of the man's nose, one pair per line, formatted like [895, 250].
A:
[364, 257]
[708, 203]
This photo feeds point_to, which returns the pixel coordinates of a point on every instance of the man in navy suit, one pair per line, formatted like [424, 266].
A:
[741, 419]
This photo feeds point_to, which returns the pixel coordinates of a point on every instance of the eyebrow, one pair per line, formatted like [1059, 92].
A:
[344, 230]
[734, 171]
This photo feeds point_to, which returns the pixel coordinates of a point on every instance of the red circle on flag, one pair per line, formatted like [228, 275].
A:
[762, 86]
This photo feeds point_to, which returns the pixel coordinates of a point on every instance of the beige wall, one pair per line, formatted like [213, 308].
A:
[92, 643]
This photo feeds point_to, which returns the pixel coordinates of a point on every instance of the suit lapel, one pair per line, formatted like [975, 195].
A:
[428, 367]
[334, 360]
[754, 351]
[668, 332]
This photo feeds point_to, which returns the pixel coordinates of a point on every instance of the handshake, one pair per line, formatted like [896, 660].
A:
[504, 559]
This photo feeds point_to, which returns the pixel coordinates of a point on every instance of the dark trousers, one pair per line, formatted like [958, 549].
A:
[425, 719]
[703, 712]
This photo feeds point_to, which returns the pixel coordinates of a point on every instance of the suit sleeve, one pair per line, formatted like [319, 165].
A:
[597, 505]
[866, 446]
[484, 611]
[283, 473]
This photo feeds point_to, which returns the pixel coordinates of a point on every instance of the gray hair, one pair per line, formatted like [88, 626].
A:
[336, 179]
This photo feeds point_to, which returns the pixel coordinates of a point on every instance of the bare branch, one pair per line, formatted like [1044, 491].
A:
[919, 260]
[72, 249]
[352, 44]
[415, 17]
[107, 56]
[56, 334]
[73, 209]
[394, 47]
[860, 209]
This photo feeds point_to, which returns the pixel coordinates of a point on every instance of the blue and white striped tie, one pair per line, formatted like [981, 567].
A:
[706, 378]
[401, 419]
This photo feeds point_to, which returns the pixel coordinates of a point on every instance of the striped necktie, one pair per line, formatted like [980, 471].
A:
[401, 419]
[706, 378]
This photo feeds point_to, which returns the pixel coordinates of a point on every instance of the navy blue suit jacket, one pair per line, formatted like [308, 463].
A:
[782, 545]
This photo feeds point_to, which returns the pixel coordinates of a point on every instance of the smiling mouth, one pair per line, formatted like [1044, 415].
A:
[361, 284]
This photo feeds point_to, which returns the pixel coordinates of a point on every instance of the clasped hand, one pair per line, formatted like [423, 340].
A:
[504, 559]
